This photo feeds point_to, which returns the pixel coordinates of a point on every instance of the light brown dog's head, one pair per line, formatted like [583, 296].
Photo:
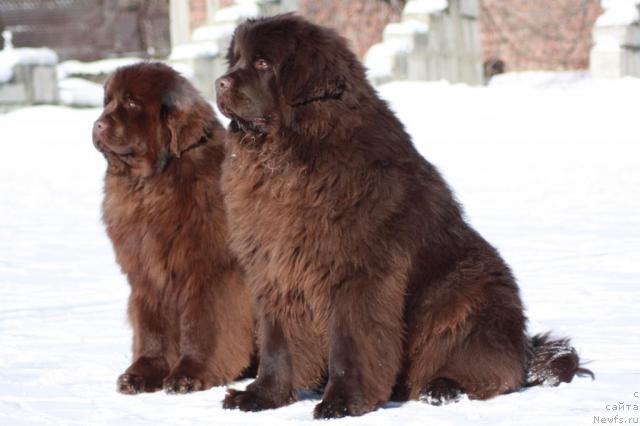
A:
[151, 115]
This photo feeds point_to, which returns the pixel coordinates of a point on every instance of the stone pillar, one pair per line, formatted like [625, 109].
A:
[212, 8]
[179, 16]
[616, 51]
[204, 50]
[435, 40]
[33, 79]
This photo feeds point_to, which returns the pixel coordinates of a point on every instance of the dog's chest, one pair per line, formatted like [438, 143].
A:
[263, 194]
[142, 229]
[278, 227]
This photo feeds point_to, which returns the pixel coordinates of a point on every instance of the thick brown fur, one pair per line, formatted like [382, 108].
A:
[364, 272]
[163, 210]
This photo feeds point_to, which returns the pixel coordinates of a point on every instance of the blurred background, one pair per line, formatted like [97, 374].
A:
[529, 108]
[58, 51]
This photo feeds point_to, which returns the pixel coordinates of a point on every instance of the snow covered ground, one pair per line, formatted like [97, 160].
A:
[547, 166]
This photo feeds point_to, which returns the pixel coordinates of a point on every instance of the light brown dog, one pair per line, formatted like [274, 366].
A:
[164, 213]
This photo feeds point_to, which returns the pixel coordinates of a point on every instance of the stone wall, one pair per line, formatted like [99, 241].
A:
[504, 35]
[360, 21]
[198, 15]
[88, 30]
[538, 35]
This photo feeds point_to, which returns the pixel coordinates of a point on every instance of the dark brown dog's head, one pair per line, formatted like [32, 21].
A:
[151, 115]
[284, 69]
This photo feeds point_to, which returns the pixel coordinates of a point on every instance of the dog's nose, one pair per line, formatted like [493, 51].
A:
[99, 126]
[224, 83]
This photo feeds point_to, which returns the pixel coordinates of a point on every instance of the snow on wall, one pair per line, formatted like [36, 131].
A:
[194, 50]
[424, 7]
[9, 58]
[80, 92]
[243, 9]
[385, 60]
[213, 32]
[105, 66]
[618, 12]
[616, 51]
[6, 73]
[381, 59]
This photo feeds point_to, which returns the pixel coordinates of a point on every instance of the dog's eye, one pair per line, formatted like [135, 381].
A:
[261, 64]
[130, 103]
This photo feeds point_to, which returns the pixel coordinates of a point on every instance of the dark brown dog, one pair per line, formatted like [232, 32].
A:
[189, 307]
[363, 270]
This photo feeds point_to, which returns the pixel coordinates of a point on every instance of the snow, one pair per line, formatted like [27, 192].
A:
[6, 73]
[7, 38]
[241, 10]
[11, 57]
[185, 69]
[539, 79]
[205, 42]
[80, 92]
[85, 90]
[381, 57]
[405, 28]
[618, 12]
[398, 41]
[194, 50]
[548, 172]
[213, 32]
[101, 67]
[424, 7]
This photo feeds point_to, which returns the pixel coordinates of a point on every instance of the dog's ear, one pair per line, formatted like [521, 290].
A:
[188, 117]
[311, 73]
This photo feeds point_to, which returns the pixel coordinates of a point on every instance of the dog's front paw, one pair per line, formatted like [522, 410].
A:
[341, 406]
[131, 384]
[253, 400]
[181, 384]
[441, 392]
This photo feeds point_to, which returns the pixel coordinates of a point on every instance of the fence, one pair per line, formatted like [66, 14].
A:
[89, 29]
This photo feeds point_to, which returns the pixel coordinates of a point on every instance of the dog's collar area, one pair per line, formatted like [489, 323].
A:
[207, 135]
[235, 127]
[249, 132]
[203, 140]
[239, 125]
[166, 157]
[325, 97]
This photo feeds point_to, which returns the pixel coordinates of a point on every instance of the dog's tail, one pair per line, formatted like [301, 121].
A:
[553, 361]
